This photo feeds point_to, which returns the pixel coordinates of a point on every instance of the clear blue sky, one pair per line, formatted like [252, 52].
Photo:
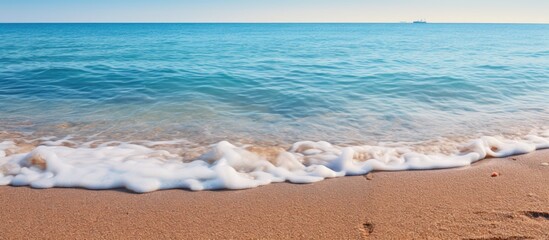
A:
[520, 11]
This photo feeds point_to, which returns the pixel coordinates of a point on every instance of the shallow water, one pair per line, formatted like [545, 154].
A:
[428, 88]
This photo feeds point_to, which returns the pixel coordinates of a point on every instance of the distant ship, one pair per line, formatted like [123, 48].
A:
[419, 21]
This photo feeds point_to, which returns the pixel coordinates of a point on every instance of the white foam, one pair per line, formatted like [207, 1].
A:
[142, 168]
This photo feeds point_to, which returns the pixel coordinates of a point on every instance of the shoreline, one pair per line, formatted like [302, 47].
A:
[465, 203]
[162, 165]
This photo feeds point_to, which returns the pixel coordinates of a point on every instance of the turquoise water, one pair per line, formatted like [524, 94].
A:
[273, 84]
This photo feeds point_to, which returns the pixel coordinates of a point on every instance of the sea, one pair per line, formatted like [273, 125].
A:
[233, 106]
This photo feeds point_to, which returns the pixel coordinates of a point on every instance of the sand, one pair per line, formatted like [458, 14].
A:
[465, 203]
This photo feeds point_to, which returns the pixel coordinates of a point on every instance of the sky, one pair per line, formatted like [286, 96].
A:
[496, 11]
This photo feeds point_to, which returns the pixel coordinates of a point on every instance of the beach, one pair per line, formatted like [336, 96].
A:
[274, 120]
[462, 203]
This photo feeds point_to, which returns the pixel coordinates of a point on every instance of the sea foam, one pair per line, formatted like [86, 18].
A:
[225, 166]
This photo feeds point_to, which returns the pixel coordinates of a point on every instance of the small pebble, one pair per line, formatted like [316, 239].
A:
[495, 174]
[369, 176]
[544, 164]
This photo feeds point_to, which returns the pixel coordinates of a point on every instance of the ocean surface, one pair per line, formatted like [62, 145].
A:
[209, 106]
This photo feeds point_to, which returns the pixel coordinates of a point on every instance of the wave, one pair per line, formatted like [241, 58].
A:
[146, 167]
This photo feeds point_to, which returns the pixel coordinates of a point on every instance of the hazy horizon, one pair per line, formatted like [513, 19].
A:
[271, 11]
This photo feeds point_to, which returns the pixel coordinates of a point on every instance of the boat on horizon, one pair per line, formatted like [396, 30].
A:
[419, 21]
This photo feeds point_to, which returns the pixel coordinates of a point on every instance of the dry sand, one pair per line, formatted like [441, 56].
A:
[464, 203]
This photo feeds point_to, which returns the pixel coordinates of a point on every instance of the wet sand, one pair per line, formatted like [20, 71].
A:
[465, 203]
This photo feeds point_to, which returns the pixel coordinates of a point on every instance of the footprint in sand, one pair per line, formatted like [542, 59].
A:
[367, 229]
[537, 215]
